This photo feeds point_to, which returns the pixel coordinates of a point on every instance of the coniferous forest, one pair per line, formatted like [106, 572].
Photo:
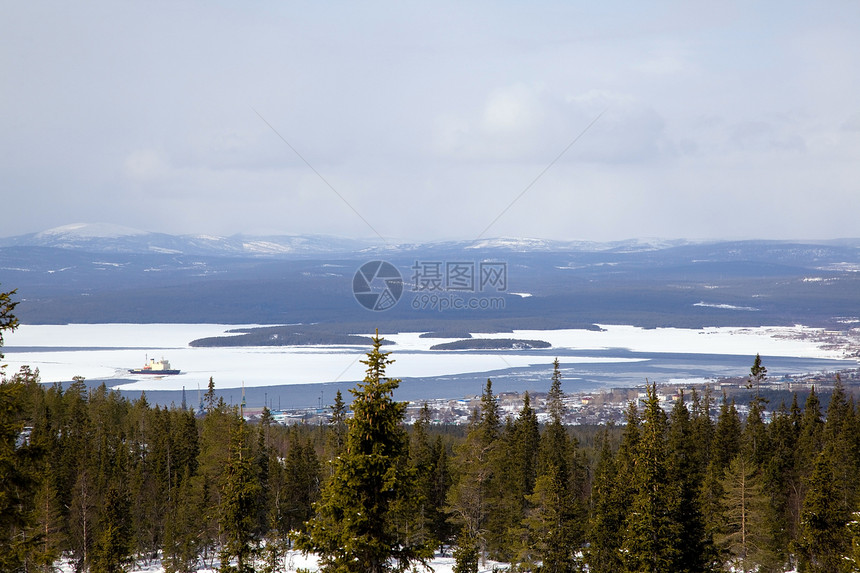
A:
[105, 482]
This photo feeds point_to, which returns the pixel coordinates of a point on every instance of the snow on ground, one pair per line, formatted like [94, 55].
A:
[295, 561]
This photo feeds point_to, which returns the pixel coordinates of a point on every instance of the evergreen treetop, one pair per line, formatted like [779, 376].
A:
[362, 519]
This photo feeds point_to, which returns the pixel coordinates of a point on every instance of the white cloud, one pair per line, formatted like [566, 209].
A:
[533, 125]
[430, 119]
[513, 110]
[145, 165]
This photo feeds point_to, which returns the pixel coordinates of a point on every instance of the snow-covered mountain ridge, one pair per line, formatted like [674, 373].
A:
[112, 238]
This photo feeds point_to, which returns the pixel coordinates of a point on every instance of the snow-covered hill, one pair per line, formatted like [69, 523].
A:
[110, 238]
[76, 231]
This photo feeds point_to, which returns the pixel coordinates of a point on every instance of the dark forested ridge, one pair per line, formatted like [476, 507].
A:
[280, 336]
[491, 344]
[685, 486]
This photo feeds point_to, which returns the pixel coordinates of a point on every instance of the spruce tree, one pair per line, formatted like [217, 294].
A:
[839, 435]
[209, 399]
[755, 435]
[556, 447]
[113, 549]
[17, 485]
[8, 320]
[725, 446]
[743, 534]
[556, 519]
[215, 452]
[519, 457]
[337, 426]
[80, 462]
[727, 436]
[811, 430]
[781, 484]
[301, 485]
[758, 374]
[262, 469]
[824, 536]
[362, 520]
[686, 472]
[526, 445]
[240, 496]
[183, 532]
[612, 494]
[473, 493]
[443, 529]
[607, 513]
[550, 525]
[423, 457]
[702, 426]
[49, 526]
[652, 534]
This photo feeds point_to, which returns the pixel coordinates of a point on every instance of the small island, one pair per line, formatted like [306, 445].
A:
[446, 334]
[491, 344]
[283, 337]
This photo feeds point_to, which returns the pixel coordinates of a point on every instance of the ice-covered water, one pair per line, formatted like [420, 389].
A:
[107, 351]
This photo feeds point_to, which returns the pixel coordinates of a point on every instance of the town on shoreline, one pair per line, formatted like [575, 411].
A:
[607, 405]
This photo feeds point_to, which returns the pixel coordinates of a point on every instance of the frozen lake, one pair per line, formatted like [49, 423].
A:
[304, 375]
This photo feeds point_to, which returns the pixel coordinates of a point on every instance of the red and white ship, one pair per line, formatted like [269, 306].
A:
[154, 366]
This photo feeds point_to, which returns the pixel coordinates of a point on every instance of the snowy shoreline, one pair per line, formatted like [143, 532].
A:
[106, 351]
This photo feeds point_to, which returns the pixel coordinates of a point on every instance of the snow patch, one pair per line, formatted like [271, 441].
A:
[726, 306]
[842, 267]
[511, 244]
[164, 251]
[295, 560]
[267, 247]
[90, 231]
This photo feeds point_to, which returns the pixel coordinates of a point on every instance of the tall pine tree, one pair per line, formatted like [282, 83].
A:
[686, 472]
[472, 496]
[743, 534]
[362, 521]
[653, 534]
[240, 496]
[824, 536]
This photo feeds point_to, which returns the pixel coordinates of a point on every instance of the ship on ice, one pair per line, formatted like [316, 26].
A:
[154, 366]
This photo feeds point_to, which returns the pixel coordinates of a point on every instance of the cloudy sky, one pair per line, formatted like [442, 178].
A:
[426, 120]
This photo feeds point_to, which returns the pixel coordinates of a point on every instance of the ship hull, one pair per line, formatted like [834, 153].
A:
[151, 371]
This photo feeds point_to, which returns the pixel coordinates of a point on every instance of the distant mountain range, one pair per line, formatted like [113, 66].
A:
[107, 273]
[110, 238]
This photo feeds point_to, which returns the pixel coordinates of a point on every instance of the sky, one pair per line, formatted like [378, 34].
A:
[433, 120]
